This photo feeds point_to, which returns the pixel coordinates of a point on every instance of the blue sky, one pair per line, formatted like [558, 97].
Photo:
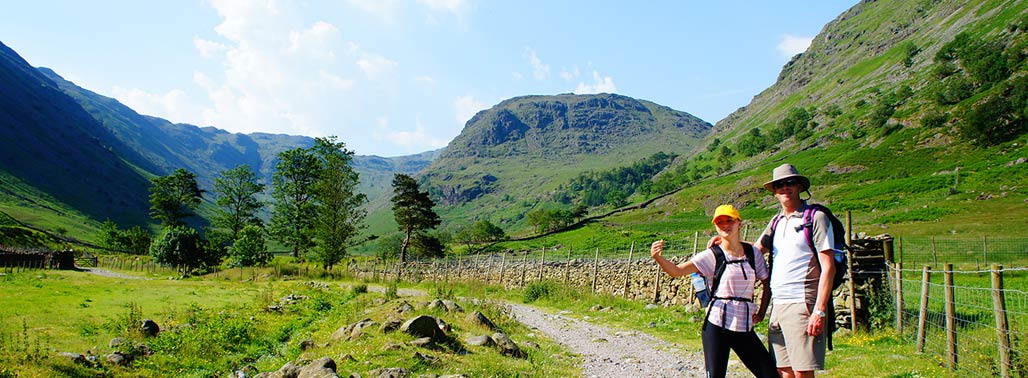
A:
[398, 77]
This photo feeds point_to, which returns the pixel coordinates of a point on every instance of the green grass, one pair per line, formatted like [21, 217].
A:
[214, 325]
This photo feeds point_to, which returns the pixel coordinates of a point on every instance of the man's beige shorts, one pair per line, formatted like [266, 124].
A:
[788, 341]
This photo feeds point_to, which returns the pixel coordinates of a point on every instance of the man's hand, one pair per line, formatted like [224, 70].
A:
[815, 324]
[714, 240]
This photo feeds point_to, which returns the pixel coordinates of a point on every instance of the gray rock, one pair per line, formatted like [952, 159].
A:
[118, 342]
[423, 326]
[482, 340]
[74, 357]
[287, 371]
[452, 306]
[480, 319]
[437, 305]
[424, 342]
[443, 326]
[507, 346]
[149, 328]
[321, 368]
[390, 373]
[390, 326]
[404, 308]
[119, 359]
[306, 344]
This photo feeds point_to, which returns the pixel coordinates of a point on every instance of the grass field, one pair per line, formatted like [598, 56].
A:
[214, 325]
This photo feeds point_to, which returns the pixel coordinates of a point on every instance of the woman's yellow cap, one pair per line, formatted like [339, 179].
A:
[728, 210]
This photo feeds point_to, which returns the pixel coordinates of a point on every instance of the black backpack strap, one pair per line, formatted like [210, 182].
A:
[720, 264]
[808, 223]
[719, 269]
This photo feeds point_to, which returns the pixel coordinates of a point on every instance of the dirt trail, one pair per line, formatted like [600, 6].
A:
[608, 353]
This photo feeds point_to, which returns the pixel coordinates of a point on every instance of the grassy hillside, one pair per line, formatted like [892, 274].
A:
[510, 159]
[911, 115]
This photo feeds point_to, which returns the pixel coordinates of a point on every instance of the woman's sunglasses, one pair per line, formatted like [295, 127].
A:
[783, 183]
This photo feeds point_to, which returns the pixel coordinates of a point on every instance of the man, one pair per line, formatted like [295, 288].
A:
[801, 279]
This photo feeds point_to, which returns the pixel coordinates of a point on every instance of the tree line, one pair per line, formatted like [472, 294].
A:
[315, 212]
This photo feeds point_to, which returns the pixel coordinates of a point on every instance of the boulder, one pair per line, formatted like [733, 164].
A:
[480, 319]
[423, 326]
[481, 340]
[507, 346]
[389, 373]
[323, 367]
[149, 328]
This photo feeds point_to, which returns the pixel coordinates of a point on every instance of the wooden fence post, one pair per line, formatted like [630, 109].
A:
[656, 286]
[899, 297]
[852, 302]
[542, 258]
[1002, 328]
[503, 265]
[887, 245]
[935, 254]
[567, 267]
[596, 269]
[628, 267]
[951, 325]
[524, 269]
[922, 317]
[695, 241]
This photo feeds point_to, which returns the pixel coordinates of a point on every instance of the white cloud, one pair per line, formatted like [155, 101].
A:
[418, 139]
[335, 81]
[208, 49]
[316, 41]
[601, 84]
[539, 69]
[375, 66]
[467, 107]
[428, 80]
[570, 76]
[175, 106]
[791, 45]
[278, 73]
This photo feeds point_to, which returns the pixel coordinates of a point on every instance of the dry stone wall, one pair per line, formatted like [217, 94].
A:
[637, 279]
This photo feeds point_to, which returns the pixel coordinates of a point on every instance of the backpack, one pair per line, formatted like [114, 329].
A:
[840, 259]
[720, 263]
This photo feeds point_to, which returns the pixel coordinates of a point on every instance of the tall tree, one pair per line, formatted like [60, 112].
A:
[237, 190]
[339, 216]
[412, 209]
[179, 246]
[292, 220]
[173, 197]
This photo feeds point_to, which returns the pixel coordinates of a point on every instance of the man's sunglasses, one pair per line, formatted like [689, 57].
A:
[783, 183]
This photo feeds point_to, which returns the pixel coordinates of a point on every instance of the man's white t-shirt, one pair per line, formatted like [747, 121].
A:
[795, 270]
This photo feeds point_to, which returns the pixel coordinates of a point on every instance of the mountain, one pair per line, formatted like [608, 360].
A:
[52, 152]
[909, 114]
[508, 159]
[66, 150]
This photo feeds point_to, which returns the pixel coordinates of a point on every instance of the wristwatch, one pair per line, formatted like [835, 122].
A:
[819, 313]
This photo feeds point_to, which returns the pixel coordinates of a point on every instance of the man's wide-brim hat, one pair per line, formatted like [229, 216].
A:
[783, 172]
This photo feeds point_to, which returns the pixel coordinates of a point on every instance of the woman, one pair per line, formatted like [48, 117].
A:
[731, 313]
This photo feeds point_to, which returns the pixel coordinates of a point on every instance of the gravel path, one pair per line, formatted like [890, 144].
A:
[107, 273]
[606, 353]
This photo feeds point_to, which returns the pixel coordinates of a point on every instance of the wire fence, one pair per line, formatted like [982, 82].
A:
[964, 253]
[966, 320]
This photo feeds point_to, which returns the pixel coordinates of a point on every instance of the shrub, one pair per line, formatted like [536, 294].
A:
[249, 249]
[537, 290]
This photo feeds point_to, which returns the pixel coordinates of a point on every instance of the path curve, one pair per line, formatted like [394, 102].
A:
[606, 353]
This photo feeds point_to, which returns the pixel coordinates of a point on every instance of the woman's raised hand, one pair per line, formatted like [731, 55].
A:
[656, 248]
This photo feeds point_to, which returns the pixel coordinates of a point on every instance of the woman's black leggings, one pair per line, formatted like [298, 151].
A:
[716, 343]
